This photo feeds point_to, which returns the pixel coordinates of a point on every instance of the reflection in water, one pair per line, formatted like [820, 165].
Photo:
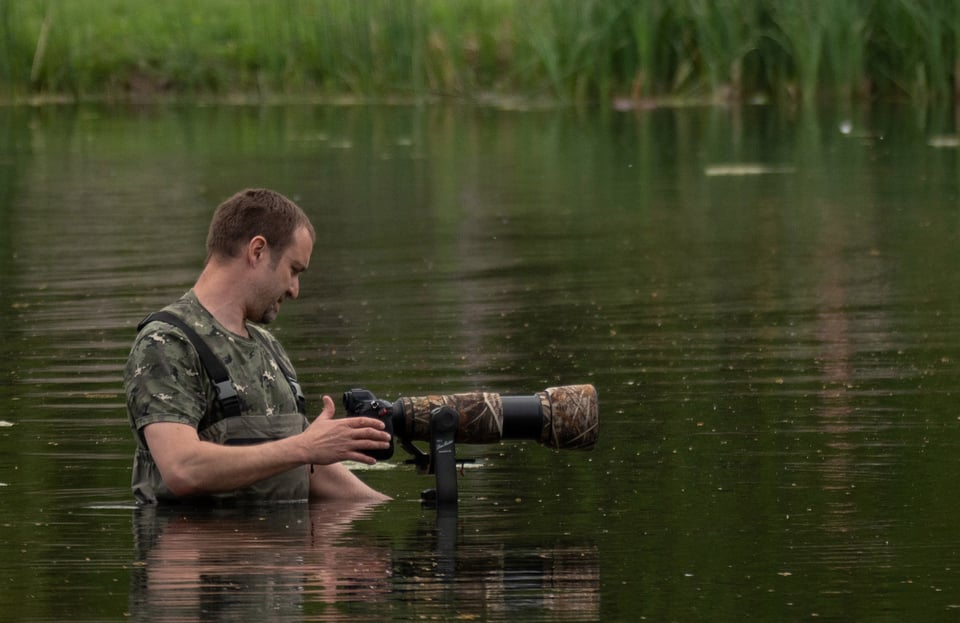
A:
[294, 562]
[234, 564]
[497, 581]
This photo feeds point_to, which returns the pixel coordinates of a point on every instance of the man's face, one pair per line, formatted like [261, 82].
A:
[280, 277]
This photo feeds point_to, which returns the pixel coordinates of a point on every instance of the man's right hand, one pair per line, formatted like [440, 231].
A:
[328, 440]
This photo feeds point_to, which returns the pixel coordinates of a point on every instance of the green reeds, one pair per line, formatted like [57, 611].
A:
[725, 32]
[569, 49]
[919, 47]
[644, 58]
[845, 36]
[581, 51]
[800, 29]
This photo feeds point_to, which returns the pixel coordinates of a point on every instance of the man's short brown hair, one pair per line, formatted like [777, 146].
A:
[255, 212]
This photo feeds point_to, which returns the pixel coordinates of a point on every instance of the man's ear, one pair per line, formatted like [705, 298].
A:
[257, 249]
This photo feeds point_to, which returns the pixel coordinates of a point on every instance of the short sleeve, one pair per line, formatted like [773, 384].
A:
[164, 380]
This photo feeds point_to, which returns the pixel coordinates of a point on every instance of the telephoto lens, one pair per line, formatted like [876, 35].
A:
[563, 418]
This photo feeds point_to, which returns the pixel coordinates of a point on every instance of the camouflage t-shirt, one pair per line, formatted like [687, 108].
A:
[165, 382]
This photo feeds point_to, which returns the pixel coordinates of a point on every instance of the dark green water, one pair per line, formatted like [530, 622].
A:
[768, 304]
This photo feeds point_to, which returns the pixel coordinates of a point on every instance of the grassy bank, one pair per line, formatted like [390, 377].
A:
[627, 51]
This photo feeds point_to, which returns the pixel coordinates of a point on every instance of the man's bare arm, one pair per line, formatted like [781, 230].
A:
[191, 466]
[336, 482]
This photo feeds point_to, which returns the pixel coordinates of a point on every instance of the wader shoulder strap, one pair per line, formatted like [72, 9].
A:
[226, 393]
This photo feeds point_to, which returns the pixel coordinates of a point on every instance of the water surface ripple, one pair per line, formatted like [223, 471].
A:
[767, 306]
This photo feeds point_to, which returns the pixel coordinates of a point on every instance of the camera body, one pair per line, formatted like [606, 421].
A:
[361, 402]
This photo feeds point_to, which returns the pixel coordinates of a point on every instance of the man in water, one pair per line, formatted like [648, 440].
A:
[201, 439]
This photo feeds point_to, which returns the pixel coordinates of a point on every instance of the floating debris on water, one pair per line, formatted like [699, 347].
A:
[112, 507]
[945, 141]
[5, 424]
[717, 170]
[378, 466]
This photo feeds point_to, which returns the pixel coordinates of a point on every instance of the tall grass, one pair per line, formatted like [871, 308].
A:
[920, 46]
[569, 49]
[845, 35]
[566, 50]
[801, 29]
[726, 31]
[643, 59]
